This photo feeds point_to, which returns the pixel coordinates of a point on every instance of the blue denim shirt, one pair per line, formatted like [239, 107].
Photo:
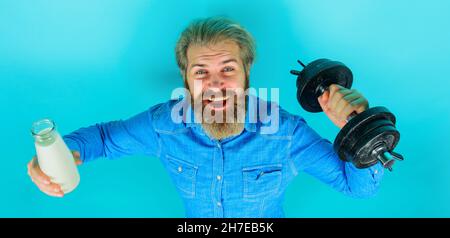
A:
[241, 176]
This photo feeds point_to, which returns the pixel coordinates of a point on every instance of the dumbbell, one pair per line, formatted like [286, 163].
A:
[367, 137]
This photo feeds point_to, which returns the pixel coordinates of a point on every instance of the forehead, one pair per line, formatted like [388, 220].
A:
[227, 48]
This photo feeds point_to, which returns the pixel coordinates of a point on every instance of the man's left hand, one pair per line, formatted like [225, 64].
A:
[339, 102]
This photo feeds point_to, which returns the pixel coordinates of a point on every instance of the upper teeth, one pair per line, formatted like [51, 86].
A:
[218, 99]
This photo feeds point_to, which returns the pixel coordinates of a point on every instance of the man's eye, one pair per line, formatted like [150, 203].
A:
[228, 69]
[200, 72]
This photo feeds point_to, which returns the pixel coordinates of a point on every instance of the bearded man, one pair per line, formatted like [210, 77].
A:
[228, 153]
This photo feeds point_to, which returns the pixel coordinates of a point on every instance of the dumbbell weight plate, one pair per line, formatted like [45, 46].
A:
[378, 135]
[359, 125]
[356, 139]
[386, 137]
[320, 72]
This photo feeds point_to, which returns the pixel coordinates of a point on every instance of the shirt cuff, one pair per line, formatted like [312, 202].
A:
[376, 170]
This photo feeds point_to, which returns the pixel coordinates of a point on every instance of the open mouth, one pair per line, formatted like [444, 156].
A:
[216, 103]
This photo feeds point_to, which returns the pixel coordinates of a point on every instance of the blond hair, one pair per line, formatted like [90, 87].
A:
[212, 30]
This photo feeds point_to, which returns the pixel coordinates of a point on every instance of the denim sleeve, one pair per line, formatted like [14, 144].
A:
[114, 139]
[314, 155]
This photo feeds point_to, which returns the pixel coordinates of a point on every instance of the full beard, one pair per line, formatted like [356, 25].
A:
[220, 131]
[231, 118]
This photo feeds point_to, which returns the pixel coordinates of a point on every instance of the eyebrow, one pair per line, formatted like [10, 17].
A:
[198, 65]
[222, 63]
[228, 61]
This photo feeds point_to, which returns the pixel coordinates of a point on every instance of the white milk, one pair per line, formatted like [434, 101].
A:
[54, 157]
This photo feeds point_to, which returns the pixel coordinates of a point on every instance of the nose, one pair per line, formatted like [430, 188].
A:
[216, 82]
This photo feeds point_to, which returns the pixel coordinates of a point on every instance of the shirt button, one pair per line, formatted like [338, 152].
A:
[219, 177]
[180, 169]
[376, 171]
[219, 204]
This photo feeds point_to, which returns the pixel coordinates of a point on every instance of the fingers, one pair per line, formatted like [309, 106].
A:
[323, 100]
[36, 173]
[347, 111]
[361, 104]
[42, 181]
[354, 102]
[333, 89]
[342, 102]
[53, 189]
[336, 94]
[352, 96]
[346, 100]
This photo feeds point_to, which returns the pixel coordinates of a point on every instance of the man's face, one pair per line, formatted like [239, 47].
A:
[217, 68]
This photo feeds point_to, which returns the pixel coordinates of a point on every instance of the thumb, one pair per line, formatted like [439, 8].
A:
[78, 161]
[76, 156]
[323, 100]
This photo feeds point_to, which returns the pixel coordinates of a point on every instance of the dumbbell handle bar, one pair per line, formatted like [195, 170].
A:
[388, 158]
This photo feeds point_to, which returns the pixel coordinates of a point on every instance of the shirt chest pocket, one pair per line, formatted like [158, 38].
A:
[260, 181]
[183, 175]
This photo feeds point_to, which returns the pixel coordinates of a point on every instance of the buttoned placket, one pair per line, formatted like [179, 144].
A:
[218, 179]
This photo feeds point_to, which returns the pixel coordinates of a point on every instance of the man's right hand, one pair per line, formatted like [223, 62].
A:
[42, 181]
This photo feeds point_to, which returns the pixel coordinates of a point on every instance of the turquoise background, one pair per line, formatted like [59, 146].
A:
[87, 61]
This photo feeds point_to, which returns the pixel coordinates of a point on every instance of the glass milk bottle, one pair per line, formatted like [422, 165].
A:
[54, 157]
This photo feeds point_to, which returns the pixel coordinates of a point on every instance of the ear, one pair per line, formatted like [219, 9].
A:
[182, 74]
[247, 70]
